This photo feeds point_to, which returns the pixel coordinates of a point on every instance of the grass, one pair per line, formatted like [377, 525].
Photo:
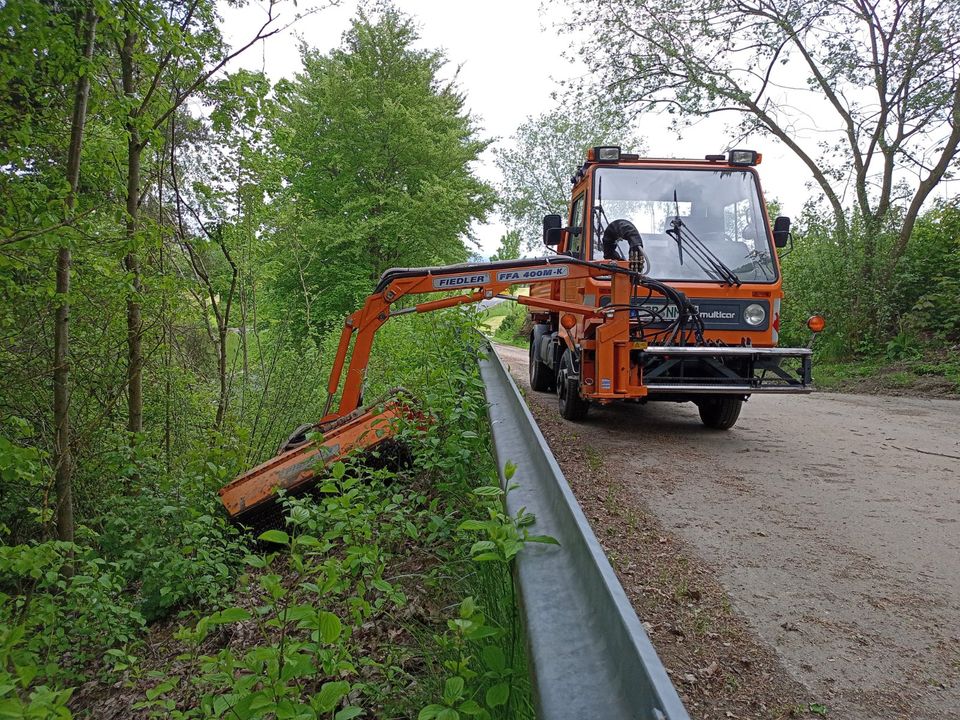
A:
[930, 373]
[492, 318]
[502, 321]
[514, 341]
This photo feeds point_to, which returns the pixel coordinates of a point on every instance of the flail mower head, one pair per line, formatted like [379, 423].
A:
[250, 499]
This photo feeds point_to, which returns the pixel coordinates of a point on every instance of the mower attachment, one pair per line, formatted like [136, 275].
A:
[295, 470]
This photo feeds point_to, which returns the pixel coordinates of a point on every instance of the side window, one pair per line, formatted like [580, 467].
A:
[575, 243]
[738, 225]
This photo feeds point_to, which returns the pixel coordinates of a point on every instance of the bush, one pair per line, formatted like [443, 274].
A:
[928, 278]
[872, 304]
[514, 327]
[176, 554]
[62, 609]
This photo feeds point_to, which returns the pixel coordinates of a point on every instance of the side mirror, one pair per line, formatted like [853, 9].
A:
[781, 231]
[552, 230]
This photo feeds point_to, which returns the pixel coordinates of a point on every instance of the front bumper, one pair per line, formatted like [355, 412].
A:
[721, 370]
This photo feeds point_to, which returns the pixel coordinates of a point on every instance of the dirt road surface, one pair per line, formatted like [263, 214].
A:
[831, 521]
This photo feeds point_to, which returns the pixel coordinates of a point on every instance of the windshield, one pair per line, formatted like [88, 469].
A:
[719, 207]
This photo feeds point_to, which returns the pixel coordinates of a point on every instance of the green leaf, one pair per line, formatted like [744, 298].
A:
[382, 585]
[498, 694]
[430, 712]
[302, 612]
[330, 627]
[472, 525]
[229, 615]
[349, 712]
[275, 536]
[487, 491]
[482, 546]
[545, 539]
[452, 690]
[481, 632]
[330, 694]
[494, 659]
[471, 707]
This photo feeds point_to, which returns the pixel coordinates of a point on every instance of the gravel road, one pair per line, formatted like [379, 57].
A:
[831, 521]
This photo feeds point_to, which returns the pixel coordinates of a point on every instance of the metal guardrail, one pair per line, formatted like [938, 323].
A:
[589, 655]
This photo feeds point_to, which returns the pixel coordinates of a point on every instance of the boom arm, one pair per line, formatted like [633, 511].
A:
[250, 496]
[485, 280]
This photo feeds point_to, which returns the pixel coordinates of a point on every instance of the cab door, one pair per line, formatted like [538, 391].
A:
[572, 290]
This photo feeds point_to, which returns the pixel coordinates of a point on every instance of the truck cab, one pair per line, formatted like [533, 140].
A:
[704, 231]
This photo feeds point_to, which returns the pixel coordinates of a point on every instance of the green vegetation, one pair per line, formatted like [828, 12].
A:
[178, 245]
[179, 242]
[514, 328]
[507, 323]
[387, 594]
[887, 329]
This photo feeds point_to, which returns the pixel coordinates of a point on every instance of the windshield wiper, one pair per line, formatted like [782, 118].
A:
[598, 214]
[702, 255]
[698, 250]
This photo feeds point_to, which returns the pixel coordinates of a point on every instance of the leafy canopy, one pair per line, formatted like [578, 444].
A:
[378, 151]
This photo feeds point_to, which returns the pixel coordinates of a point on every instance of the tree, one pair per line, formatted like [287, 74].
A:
[510, 247]
[543, 154]
[886, 71]
[220, 214]
[378, 154]
[169, 50]
[63, 458]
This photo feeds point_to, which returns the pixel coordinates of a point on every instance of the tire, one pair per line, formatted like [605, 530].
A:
[572, 406]
[542, 377]
[720, 413]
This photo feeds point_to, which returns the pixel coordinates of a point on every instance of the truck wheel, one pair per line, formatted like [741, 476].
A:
[720, 413]
[542, 377]
[572, 406]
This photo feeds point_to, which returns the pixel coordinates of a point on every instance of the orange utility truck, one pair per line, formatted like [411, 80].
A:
[666, 286]
[701, 228]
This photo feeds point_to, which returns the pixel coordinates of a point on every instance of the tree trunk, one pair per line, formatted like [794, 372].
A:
[222, 372]
[132, 261]
[63, 456]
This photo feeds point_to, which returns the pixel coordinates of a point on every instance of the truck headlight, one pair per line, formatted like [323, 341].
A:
[754, 314]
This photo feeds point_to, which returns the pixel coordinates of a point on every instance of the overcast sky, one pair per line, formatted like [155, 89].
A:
[510, 57]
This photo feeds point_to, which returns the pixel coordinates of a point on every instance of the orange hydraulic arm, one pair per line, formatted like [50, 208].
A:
[250, 496]
[485, 281]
